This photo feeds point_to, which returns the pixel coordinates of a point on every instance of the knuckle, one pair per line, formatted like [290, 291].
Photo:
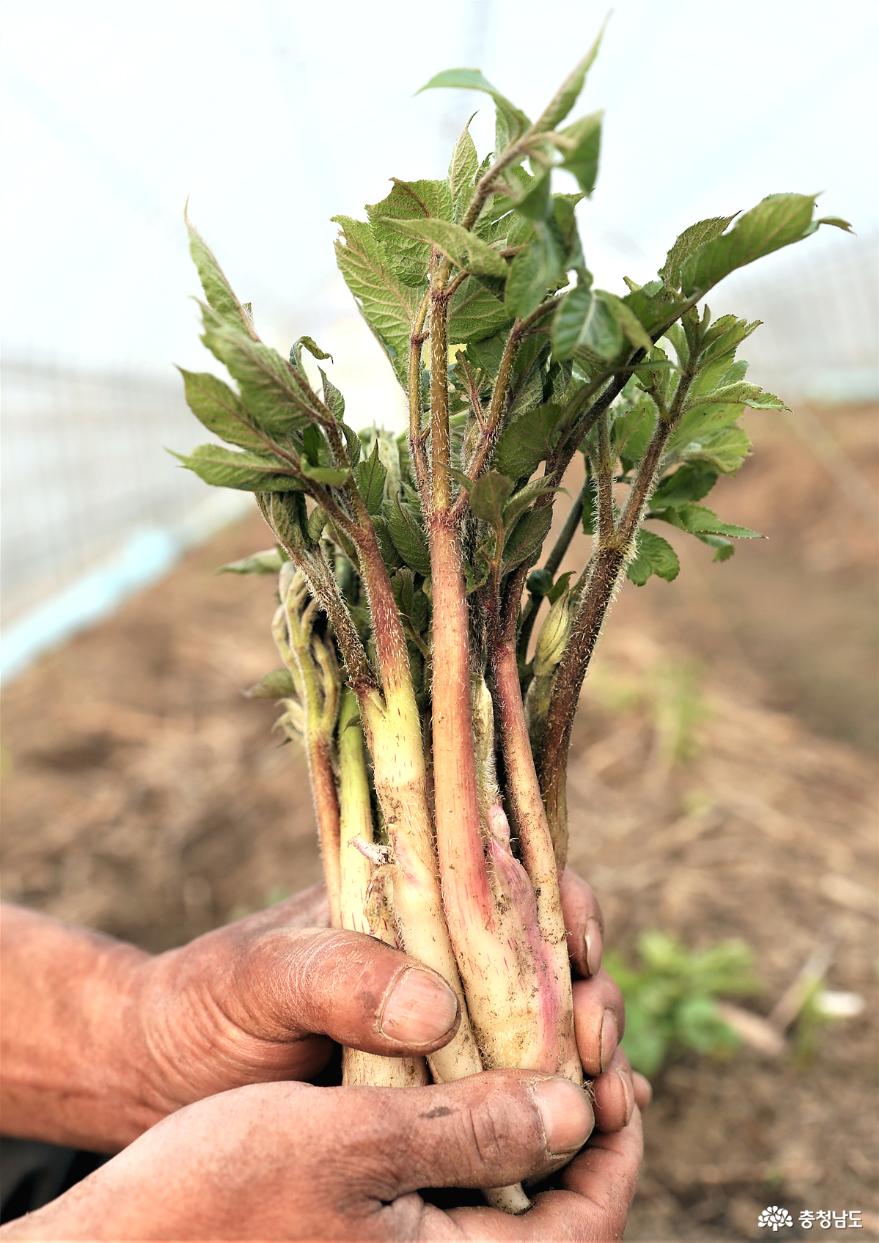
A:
[487, 1132]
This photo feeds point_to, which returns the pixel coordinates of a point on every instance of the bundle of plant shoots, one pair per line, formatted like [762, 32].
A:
[432, 656]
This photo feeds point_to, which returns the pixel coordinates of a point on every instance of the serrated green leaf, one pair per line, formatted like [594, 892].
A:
[688, 483]
[742, 393]
[632, 431]
[536, 271]
[407, 535]
[249, 472]
[333, 399]
[386, 303]
[371, 476]
[724, 446]
[700, 520]
[688, 242]
[633, 330]
[411, 600]
[778, 220]
[463, 248]
[408, 256]
[527, 441]
[525, 540]
[475, 314]
[488, 496]
[316, 525]
[270, 394]
[268, 562]
[220, 409]
[583, 157]
[566, 96]
[584, 320]
[462, 171]
[525, 498]
[653, 555]
[217, 290]
[511, 121]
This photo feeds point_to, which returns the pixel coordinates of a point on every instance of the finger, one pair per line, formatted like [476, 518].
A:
[350, 987]
[643, 1090]
[583, 922]
[592, 1208]
[614, 1095]
[606, 1174]
[599, 1021]
[489, 1130]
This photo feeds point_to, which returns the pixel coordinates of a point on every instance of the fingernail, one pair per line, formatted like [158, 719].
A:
[629, 1091]
[594, 946]
[419, 1009]
[608, 1039]
[566, 1115]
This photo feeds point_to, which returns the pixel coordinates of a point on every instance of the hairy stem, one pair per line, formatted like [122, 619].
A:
[607, 567]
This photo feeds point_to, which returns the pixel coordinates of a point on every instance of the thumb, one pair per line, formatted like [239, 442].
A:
[351, 987]
[489, 1130]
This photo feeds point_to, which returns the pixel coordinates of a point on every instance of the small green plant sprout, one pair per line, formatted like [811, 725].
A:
[431, 654]
[672, 998]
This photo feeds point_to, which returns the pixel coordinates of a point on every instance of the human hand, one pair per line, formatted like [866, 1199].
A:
[264, 998]
[291, 1161]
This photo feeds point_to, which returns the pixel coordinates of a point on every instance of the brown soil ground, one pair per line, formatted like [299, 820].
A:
[145, 796]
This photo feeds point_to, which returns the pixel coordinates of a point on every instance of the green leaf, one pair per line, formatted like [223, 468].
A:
[700, 520]
[688, 242]
[411, 600]
[582, 158]
[220, 409]
[475, 313]
[332, 476]
[308, 343]
[534, 272]
[718, 443]
[525, 498]
[217, 290]
[688, 483]
[408, 257]
[528, 440]
[268, 562]
[465, 249]
[566, 96]
[269, 391]
[386, 303]
[250, 472]
[778, 220]
[488, 496]
[407, 536]
[633, 330]
[511, 121]
[333, 399]
[371, 476]
[633, 430]
[653, 555]
[584, 320]
[275, 685]
[740, 394]
[462, 171]
[525, 540]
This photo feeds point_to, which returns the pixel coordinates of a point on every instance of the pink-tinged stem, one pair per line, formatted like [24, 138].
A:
[466, 892]
[536, 847]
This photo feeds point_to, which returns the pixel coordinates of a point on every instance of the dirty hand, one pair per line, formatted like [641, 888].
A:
[291, 1161]
[263, 999]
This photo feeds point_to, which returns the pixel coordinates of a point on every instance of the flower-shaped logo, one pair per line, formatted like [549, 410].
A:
[775, 1218]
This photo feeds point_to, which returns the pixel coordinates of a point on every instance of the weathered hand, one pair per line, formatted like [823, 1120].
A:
[291, 1161]
[262, 1000]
